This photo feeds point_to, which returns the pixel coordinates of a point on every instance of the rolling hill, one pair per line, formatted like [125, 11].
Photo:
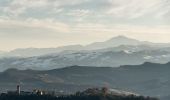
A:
[147, 79]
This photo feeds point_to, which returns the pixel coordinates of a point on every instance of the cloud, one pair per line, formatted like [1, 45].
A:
[118, 9]
[138, 8]
[79, 12]
[17, 7]
[31, 27]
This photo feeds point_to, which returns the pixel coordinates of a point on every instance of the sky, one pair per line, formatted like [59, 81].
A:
[52, 23]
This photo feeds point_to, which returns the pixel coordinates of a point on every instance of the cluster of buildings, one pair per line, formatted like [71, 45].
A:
[34, 92]
[90, 91]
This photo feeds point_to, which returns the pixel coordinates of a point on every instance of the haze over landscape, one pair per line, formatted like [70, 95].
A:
[69, 46]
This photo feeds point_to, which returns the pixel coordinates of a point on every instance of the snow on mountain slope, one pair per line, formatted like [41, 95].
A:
[99, 58]
[122, 41]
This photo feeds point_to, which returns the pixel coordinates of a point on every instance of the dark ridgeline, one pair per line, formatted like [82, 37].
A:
[89, 94]
[75, 97]
[147, 79]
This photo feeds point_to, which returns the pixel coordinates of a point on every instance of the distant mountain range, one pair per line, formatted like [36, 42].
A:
[115, 52]
[147, 79]
[30, 52]
[113, 42]
[116, 41]
[113, 63]
[110, 57]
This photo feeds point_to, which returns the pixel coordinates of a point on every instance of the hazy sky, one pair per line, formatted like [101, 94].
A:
[52, 23]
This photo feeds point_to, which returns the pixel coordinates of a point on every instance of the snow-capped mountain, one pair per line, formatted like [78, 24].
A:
[111, 57]
[115, 52]
[113, 42]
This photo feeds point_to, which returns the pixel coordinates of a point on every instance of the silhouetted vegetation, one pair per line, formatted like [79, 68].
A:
[74, 97]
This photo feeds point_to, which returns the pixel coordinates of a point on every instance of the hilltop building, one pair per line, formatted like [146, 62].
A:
[38, 92]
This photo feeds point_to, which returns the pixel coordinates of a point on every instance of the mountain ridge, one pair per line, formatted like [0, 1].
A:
[112, 42]
[112, 57]
[146, 79]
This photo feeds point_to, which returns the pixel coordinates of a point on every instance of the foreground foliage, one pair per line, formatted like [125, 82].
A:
[74, 97]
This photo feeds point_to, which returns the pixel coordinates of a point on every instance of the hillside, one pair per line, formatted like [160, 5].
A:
[114, 52]
[111, 57]
[147, 79]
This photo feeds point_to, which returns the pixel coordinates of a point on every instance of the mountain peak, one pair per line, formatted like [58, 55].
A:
[114, 42]
[122, 38]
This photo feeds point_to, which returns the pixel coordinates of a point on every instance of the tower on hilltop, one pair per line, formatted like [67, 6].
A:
[18, 89]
